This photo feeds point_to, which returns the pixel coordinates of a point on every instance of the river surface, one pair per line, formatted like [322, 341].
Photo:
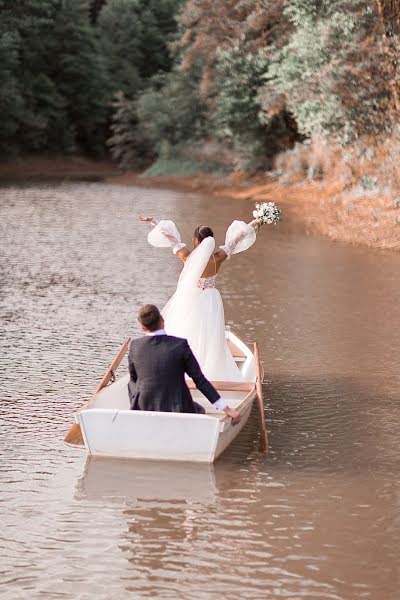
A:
[317, 518]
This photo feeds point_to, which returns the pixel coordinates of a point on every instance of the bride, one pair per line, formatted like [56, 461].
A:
[196, 311]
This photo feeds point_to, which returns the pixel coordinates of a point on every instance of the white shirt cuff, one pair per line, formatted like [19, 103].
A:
[178, 247]
[227, 250]
[220, 404]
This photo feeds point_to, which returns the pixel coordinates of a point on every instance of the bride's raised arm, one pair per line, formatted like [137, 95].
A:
[239, 237]
[166, 235]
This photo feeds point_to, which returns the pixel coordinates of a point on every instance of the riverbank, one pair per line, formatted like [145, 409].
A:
[324, 207]
[74, 168]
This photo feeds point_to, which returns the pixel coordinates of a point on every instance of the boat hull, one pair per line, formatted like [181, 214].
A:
[158, 435]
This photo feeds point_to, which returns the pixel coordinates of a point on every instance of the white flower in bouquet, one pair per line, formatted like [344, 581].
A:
[267, 213]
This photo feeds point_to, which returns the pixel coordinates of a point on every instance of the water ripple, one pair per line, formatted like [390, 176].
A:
[315, 518]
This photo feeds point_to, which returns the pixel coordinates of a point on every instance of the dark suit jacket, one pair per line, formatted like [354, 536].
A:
[157, 367]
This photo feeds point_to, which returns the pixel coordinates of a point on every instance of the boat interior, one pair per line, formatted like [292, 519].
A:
[115, 396]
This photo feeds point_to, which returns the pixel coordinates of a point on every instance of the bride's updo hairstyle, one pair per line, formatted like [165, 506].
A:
[202, 232]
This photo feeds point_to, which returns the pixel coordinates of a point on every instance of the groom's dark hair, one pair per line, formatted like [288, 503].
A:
[203, 232]
[150, 317]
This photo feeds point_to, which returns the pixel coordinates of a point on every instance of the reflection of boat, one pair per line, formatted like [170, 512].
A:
[116, 480]
[110, 429]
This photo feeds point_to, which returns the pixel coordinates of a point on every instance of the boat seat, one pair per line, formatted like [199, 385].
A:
[226, 386]
[236, 352]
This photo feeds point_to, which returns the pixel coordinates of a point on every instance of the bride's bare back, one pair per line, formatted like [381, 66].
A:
[213, 265]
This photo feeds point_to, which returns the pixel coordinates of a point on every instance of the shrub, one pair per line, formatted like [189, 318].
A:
[237, 107]
[128, 143]
[314, 160]
[177, 166]
[170, 111]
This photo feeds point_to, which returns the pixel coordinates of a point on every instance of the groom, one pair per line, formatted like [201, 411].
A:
[157, 366]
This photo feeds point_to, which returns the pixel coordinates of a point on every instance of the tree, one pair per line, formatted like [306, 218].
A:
[389, 21]
[239, 77]
[120, 34]
[27, 94]
[134, 35]
[332, 73]
[11, 100]
[128, 143]
[207, 26]
[95, 8]
[54, 93]
[170, 111]
[80, 75]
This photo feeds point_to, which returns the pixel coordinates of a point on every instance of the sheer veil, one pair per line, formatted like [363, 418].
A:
[180, 313]
[195, 265]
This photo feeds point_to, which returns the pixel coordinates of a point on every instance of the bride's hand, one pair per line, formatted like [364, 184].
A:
[146, 219]
[256, 223]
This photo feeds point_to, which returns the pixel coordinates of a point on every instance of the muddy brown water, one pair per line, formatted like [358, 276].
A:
[317, 518]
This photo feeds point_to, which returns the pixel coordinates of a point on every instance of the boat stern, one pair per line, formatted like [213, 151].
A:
[149, 435]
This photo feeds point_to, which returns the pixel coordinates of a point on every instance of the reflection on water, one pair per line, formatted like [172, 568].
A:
[112, 480]
[315, 518]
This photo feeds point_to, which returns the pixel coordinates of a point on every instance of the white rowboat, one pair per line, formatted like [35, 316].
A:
[109, 428]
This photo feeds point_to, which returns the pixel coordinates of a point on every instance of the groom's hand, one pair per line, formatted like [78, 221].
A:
[234, 414]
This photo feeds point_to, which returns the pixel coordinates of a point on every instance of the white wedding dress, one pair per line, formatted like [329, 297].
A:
[196, 312]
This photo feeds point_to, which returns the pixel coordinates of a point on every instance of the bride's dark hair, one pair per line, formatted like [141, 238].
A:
[202, 232]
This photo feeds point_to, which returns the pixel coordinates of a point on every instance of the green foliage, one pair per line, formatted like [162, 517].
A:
[256, 74]
[134, 36]
[334, 71]
[301, 11]
[177, 166]
[171, 111]
[95, 8]
[307, 69]
[11, 102]
[158, 18]
[240, 74]
[23, 94]
[120, 33]
[53, 93]
[236, 108]
[128, 143]
[81, 75]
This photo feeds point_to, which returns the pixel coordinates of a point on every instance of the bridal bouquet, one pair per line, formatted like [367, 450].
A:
[267, 213]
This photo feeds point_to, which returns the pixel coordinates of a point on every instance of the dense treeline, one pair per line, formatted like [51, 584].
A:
[62, 61]
[168, 78]
[271, 71]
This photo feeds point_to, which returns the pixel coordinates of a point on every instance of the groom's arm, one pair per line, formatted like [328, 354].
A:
[132, 381]
[192, 368]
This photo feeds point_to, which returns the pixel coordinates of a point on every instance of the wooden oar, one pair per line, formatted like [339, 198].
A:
[74, 435]
[259, 378]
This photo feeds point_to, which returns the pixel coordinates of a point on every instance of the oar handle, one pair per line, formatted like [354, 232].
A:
[114, 365]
